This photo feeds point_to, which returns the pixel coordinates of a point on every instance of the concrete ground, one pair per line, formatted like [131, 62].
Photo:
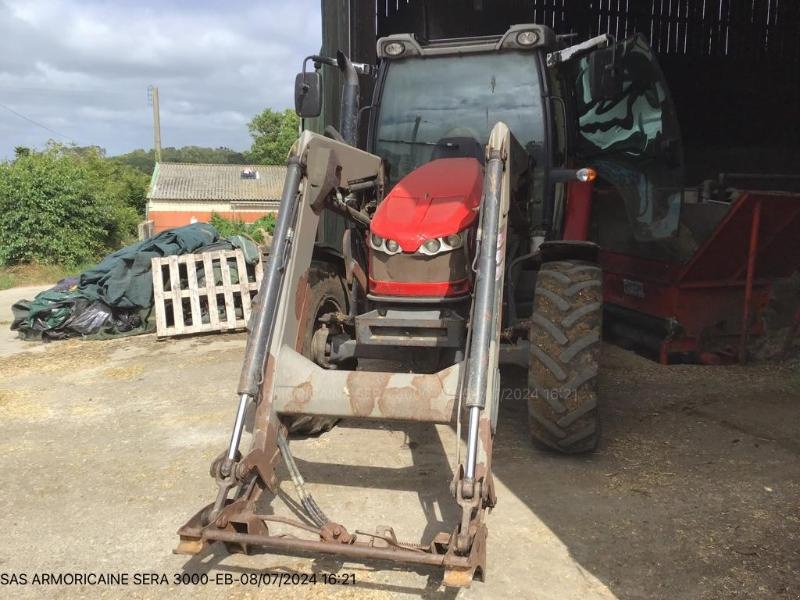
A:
[105, 447]
[9, 343]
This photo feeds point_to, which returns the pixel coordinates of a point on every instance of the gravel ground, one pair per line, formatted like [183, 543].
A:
[105, 447]
[9, 343]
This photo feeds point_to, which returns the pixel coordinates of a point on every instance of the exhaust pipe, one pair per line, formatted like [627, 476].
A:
[348, 116]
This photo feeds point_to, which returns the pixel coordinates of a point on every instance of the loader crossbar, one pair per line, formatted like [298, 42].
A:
[459, 570]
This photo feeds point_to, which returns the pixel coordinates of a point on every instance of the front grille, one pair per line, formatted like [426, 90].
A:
[420, 268]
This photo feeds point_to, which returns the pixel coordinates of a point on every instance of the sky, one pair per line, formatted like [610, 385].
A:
[81, 69]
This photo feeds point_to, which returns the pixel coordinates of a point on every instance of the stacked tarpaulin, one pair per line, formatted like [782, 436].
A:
[115, 298]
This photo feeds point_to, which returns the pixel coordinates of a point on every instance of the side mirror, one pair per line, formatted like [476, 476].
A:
[605, 79]
[308, 94]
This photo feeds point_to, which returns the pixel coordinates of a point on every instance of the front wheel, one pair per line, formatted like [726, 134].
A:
[565, 333]
[326, 294]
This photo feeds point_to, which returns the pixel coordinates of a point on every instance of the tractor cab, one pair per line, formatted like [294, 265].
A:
[442, 98]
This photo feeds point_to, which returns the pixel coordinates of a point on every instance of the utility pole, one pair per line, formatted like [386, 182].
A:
[152, 96]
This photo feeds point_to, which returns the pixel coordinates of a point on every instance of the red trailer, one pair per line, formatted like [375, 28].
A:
[726, 293]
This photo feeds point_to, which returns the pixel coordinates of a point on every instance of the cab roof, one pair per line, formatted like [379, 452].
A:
[543, 38]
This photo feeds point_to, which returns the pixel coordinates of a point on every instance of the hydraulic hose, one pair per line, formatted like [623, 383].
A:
[306, 500]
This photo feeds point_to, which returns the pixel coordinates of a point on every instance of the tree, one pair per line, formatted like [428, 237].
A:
[273, 134]
[79, 151]
[65, 207]
[144, 160]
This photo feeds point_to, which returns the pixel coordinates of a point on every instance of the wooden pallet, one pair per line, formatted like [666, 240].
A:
[183, 307]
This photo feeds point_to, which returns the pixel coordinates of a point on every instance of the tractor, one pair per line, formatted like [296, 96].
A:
[465, 218]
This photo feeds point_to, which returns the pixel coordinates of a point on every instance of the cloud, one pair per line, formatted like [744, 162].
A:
[82, 68]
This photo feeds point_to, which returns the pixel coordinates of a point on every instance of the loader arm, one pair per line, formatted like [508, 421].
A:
[282, 381]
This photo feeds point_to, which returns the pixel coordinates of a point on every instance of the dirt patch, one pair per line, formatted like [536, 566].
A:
[124, 373]
[21, 405]
[67, 356]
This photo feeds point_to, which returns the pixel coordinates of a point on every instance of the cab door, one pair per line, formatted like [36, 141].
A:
[627, 130]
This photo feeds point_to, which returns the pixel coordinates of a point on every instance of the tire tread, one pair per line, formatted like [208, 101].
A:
[565, 334]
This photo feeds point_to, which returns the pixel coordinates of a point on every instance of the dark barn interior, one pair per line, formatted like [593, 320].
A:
[733, 65]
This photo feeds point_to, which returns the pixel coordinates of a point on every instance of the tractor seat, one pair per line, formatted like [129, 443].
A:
[459, 147]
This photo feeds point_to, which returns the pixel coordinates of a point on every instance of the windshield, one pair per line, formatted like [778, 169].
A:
[446, 106]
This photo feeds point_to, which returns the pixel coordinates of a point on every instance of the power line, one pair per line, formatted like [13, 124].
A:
[21, 116]
[63, 90]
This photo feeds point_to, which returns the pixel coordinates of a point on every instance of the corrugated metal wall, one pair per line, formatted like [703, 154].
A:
[749, 29]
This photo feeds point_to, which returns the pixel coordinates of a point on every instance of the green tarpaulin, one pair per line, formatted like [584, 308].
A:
[123, 279]
[116, 296]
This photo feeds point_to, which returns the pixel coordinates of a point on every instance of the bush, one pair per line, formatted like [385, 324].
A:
[229, 227]
[63, 207]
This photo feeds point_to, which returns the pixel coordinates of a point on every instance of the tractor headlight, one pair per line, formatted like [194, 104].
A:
[376, 242]
[432, 246]
[443, 244]
[394, 48]
[527, 38]
[455, 240]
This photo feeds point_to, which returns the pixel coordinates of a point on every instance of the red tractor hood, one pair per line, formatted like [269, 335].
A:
[437, 199]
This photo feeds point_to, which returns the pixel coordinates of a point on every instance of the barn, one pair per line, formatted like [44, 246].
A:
[181, 194]
[732, 65]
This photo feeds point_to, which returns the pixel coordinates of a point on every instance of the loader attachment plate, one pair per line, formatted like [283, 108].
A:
[460, 571]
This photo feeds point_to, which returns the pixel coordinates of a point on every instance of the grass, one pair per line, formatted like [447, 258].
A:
[35, 274]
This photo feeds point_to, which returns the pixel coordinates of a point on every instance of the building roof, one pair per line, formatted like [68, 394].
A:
[180, 181]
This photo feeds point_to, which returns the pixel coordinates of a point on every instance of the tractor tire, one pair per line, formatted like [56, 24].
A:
[565, 334]
[326, 293]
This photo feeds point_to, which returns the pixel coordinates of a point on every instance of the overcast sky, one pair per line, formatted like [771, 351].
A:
[82, 67]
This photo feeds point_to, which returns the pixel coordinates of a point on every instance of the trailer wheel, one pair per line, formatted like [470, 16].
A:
[326, 293]
[565, 334]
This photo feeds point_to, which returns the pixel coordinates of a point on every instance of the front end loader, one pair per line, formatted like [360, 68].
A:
[287, 383]
[456, 252]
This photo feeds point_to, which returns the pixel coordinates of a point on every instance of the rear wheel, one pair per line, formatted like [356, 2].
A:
[326, 294]
[565, 334]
